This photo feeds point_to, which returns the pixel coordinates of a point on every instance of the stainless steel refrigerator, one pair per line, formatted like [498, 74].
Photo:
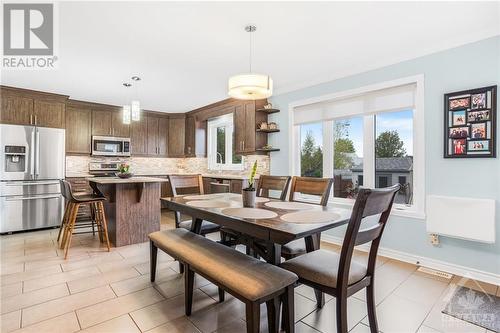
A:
[31, 164]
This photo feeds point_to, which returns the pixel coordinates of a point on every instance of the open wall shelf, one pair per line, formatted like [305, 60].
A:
[268, 130]
[268, 111]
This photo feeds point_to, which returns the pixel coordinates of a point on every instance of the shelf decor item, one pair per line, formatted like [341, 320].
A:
[124, 171]
[470, 123]
[249, 193]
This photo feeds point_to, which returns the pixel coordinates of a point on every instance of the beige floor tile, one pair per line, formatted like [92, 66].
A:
[425, 329]
[59, 278]
[179, 325]
[23, 258]
[174, 285]
[10, 321]
[397, 314]
[65, 304]
[173, 308]
[162, 263]
[421, 289]
[212, 291]
[45, 262]
[32, 298]
[11, 290]
[303, 306]
[221, 314]
[66, 323]
[360, 328]
[300, 327]
[134, 250]
[309, 293]
[104, 311]
[99, 261]
[122, 324]
[7, 269]
[101, 279]
[140, 282]
[476, 285]
[25, 276]
[324, 320]
[235, 326]
[124, 263]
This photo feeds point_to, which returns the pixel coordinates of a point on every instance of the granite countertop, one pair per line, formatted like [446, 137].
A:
[117, 180]
[206, 175]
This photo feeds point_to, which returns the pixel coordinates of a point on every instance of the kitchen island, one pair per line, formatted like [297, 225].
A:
[132, 208]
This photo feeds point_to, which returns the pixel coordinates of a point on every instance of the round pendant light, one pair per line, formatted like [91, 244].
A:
[250, 86]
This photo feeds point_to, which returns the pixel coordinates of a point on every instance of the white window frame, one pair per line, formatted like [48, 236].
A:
[212, 125]
[417, 209]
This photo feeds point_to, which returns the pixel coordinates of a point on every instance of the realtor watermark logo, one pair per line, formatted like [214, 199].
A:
[29, 36]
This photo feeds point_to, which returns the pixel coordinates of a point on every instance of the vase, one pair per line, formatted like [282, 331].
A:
[248, 197]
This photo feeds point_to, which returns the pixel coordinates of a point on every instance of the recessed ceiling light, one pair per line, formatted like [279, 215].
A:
[136, 78]
[126, 84]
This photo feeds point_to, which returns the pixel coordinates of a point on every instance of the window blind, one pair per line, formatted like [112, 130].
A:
[390, 99]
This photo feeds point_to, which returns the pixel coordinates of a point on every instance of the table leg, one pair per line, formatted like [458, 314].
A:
[273, 254]
[196, 225]
[313, 244]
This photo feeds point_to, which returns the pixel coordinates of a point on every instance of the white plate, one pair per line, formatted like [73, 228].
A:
[203, 196]
[257, 199]
[289, 205]
[309, 217]
[250, 213]
[208, 203]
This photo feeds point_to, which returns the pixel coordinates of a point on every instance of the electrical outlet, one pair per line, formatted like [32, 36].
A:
[434, 239]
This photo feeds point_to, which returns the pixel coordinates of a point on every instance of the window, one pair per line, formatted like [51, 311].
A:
[220, 144]
[364, 137]
[311, 152]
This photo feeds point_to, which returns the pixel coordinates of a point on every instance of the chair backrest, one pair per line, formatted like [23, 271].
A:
[369, 202]
[273, 183]
[186, 184]
[66, 190]
[313, 186]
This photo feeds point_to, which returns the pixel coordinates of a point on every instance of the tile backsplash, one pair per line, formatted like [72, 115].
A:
[79, 165]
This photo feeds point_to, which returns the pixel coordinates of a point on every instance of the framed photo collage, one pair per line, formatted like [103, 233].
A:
[470, 123]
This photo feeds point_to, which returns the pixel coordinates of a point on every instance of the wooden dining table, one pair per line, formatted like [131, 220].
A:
[264, 235]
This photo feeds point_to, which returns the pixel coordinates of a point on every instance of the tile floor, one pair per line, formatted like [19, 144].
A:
[97, 291]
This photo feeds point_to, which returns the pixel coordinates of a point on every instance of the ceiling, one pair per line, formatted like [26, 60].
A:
[185, 51]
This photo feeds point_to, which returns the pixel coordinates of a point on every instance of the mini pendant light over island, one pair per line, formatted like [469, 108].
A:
[132, 112]
[250, 86]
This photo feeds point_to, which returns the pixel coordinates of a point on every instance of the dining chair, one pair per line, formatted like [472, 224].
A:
[189, 184]
[266, 183]
[315, 187]
[339, 275]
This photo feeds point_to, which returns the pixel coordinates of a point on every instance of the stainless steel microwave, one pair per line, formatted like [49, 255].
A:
[110, 146]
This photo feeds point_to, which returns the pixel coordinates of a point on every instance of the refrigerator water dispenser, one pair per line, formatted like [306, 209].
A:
[15, 158]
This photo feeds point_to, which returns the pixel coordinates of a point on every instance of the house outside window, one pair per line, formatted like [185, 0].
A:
[220, 144]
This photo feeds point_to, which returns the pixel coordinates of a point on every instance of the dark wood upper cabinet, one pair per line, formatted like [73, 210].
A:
[190, 144]
[101, 122]
[176, 136]
[78, 130]
[16, 109]
[139, 137]
[28, 107]
[163, 136]
[118, 127]
[245, 117]
[153, 125]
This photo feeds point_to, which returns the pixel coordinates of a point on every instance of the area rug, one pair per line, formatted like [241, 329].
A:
[476, 307]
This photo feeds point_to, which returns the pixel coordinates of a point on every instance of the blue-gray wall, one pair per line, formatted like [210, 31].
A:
[470, 66]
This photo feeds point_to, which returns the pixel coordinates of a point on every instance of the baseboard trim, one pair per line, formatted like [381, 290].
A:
[455, 269]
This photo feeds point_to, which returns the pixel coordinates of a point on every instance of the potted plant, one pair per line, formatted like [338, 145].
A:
[249, 193]
[123, 171]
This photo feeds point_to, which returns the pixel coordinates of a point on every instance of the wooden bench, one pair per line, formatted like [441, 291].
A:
[250, 280]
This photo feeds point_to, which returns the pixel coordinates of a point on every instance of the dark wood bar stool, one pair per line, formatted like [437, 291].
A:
[69, 222]
[339, 275]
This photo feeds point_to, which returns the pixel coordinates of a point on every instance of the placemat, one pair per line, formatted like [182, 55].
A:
[204, 196]
[308, 217]
[208, 203]
[289, 205]
[257, 199]
[250, 213]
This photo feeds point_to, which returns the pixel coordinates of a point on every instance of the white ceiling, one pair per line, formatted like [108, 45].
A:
[186, 51]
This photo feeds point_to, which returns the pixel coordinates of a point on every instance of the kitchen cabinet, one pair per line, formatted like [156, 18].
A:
[196, 138]
[16, 110]
[139, 137]
[190, 150]
[157, 136]
[78, 130]
[48, 113]
[246, 139]
[109, 123]
[26, 107]
[176, 137]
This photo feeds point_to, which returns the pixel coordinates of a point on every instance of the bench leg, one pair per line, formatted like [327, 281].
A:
[273, 314]
[188, 289]
[152, 258]
[181, 267]
[253, 317]
[288, 318]
[222, 295]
